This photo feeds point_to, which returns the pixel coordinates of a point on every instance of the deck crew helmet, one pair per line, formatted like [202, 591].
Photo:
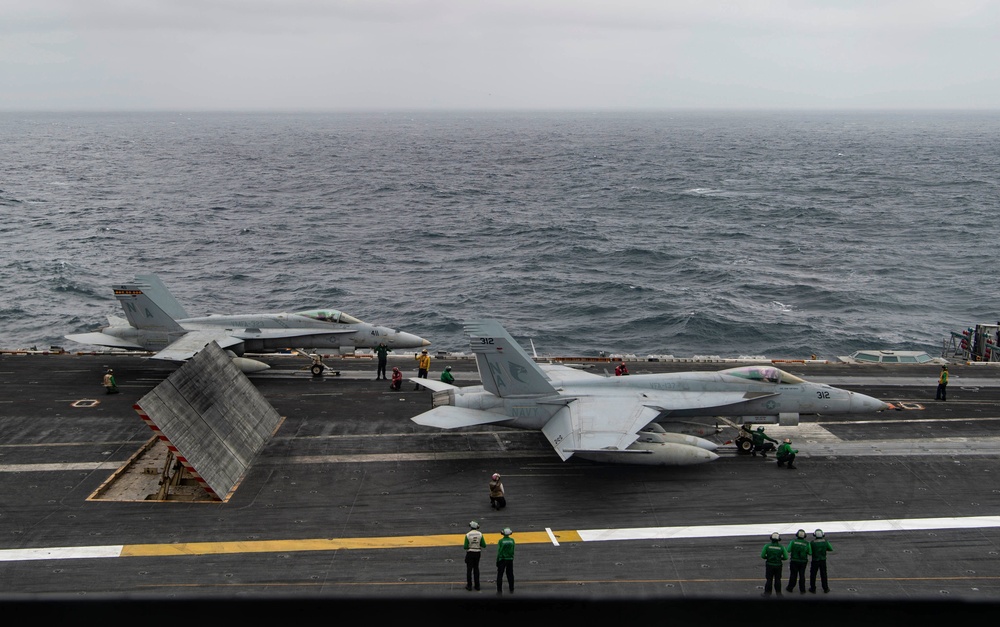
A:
[801, 533]
[474, 525]
[496, 476]
[818, 533]
[761, 429]
[775, 537]
[788, 440]
[506, 531]
[447, 367]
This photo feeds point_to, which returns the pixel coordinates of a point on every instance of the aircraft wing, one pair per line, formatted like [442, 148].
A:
[606, 423]
[450, 417]
[187, 345]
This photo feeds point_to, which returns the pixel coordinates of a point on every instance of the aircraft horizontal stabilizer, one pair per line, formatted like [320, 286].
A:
[433, 384]
[103, 339]
[450, 417]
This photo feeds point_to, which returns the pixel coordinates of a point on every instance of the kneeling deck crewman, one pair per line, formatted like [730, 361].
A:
[762, 443]
[786, 454]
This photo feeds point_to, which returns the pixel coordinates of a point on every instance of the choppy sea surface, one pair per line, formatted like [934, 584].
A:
[782, 234]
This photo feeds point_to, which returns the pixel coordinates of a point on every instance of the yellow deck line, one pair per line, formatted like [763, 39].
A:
[547, 536]
[333, 544]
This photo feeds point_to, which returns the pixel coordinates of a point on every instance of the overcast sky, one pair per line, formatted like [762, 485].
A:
[498, 54]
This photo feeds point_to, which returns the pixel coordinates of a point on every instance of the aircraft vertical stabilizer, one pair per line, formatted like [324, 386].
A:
[506, 370]
[142, 312]
[159, 294]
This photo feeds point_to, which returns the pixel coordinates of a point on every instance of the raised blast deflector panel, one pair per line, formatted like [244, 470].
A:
[212, 418]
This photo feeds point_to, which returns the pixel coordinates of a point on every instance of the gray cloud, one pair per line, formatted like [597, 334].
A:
[396, 54]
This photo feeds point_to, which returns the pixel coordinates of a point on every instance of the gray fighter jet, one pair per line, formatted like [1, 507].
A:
[157, 322]
[635, 419]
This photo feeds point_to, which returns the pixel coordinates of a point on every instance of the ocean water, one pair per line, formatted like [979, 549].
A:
[782, 234]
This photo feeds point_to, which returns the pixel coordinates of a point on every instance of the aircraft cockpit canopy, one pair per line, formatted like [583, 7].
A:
[329, 315]
[763, 374]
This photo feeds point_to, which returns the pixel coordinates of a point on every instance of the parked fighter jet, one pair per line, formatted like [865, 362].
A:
[636, 419]
[157, 322]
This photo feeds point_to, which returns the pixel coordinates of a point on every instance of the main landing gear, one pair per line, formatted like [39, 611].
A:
[744, 445]
[318, 367]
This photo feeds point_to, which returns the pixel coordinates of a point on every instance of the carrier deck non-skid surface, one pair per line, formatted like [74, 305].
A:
[351, 500]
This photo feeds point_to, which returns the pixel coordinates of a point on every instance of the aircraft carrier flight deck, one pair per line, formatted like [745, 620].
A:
[351, 500]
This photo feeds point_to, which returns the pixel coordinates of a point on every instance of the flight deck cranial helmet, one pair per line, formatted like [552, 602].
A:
[818, 533]
[447, 367]
[775, 537]
[788, 440]
[760, 428]
[801, 533]
[474, 525]
[496, 476]
[506, 531]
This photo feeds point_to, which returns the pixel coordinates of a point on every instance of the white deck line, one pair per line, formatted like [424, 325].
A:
[789, 529]
[61, 553]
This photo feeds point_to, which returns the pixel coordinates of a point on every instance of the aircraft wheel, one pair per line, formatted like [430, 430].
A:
[317, 370]
[744, 446]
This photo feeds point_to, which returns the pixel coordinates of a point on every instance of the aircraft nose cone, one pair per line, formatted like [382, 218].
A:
[408, 340]
[861, 403]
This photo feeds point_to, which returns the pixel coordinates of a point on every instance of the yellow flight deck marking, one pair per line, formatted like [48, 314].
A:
[333, 544]
[554, 538]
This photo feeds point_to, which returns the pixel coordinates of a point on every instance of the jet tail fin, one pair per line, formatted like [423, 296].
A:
[504, 367]
[159, 294]
[142, 312]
